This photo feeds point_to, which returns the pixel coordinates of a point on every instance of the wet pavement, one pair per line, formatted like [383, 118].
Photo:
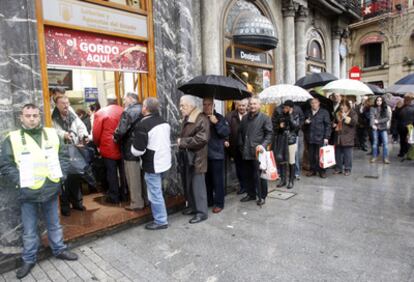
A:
[355, 228]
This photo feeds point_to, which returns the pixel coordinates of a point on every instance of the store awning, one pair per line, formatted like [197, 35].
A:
[256, 31]
[373, 38]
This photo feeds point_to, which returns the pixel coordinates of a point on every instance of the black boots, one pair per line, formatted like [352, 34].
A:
[282, 173]
[291, 176]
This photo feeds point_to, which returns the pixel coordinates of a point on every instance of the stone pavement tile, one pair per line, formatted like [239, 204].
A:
[64, 268]
[77, 279]
[80, 270]
[39, 274]
[51, 270]
[94, 269]
[90, 254]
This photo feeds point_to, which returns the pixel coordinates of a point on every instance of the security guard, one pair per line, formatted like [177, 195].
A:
[32, 160]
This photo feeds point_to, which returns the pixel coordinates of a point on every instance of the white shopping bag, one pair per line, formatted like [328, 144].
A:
[268, 166]
[410, 134]
[327, 156]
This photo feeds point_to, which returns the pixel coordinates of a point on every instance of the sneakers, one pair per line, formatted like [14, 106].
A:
[66, 255]
[373, 160]
[386, 161]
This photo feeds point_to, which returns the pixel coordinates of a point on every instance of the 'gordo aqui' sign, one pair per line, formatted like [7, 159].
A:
[77, 49]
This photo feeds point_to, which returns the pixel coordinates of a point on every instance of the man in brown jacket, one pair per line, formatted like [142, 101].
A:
[193, 145]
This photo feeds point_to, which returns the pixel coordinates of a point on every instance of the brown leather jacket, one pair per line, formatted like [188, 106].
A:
[194, 136]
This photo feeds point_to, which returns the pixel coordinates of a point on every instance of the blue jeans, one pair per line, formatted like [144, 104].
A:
[298, 156]
[156, 198]
[383, 134]
[31, 239]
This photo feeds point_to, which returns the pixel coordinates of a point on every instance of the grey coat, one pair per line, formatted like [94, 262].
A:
[383, 118]
[253, 131]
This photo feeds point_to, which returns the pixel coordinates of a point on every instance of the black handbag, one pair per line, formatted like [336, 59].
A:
[78, 164]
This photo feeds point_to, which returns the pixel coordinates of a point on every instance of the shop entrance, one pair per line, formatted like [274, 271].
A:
[96, 50]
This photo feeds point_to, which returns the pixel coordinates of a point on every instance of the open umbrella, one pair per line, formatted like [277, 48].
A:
[348, 87]
[376, 89]
[215, 86]
[403, 86]
[315, 80]
[278, 94]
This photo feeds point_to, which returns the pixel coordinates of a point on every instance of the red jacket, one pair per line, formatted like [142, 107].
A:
[105, 122]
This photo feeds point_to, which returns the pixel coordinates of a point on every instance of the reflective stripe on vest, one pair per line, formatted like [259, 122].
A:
[40, 167]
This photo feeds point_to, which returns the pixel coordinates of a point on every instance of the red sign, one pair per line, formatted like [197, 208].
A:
[355, 73]
[77, 49]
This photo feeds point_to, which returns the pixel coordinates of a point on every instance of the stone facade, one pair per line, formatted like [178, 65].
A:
[19, 84]
[189, 38]
[396, 32]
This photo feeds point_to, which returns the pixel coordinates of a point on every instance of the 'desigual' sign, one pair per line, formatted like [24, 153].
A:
[77, 49]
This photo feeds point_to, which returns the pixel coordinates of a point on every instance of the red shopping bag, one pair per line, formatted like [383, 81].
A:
[327, 156]
[268, 166]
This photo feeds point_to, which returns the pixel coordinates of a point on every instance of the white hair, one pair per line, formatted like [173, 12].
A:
[190, 100]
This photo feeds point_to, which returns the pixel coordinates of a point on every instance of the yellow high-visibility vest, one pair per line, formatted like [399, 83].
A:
[38, 156]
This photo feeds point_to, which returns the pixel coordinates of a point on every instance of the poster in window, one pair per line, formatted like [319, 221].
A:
[77, 49]
[60, 78]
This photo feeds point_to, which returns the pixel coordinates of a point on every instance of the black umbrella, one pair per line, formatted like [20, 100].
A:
[216, 86]
[315, 80]
[376, 89]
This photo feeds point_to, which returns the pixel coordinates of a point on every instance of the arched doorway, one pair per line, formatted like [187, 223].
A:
[249, 39]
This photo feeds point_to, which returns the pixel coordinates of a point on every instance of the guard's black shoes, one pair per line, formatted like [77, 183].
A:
[188, 211]
[198, 218]
[240, 192]
[248, 198]
[24, 270]
[155, 226]
[66, 255]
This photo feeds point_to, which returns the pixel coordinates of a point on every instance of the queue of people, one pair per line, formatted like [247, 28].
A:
[136, 139]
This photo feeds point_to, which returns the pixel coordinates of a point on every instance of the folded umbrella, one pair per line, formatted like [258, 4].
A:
[315, 80]
[403, 86]
[348, 87]
[215, 86]
[278, 94]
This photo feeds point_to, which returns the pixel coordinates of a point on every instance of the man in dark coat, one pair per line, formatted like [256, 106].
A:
[404, 118]
[318, 128]
[234, 119]
[255, 134]
[219, 130]
[33, 162]
[193, 145]
[124, 135]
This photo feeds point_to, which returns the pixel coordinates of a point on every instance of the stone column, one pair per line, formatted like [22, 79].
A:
[289, 42]
[300, 37]
[336, 60]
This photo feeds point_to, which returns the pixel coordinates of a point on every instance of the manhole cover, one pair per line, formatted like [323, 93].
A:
[281, 195]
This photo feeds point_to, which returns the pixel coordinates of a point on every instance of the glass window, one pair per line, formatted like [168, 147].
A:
[372, 54]
[315, 50]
